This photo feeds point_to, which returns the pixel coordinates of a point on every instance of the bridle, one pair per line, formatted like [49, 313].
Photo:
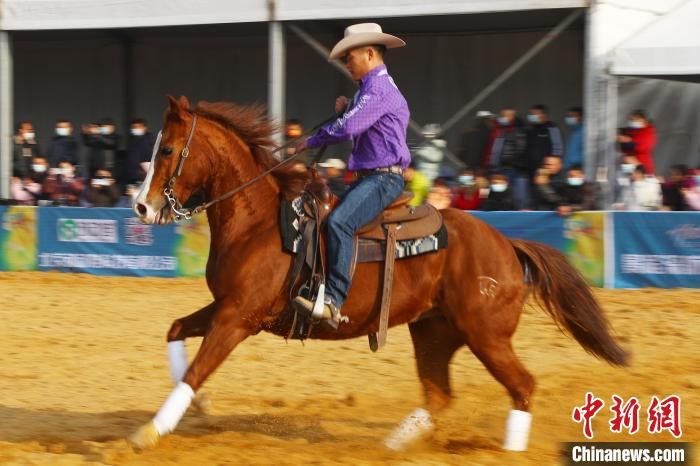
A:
[179, 212]
[175, 205]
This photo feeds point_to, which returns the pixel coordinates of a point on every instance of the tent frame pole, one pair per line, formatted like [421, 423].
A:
[600, 107]
[276, 86]
[6, 113]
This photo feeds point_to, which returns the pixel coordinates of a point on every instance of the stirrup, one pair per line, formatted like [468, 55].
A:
[331, 314]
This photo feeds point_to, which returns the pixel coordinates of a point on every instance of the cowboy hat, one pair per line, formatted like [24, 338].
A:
[359, 35]
[333, 163]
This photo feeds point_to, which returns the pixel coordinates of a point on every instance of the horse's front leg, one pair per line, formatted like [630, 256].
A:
[227, 329]
[194, 325]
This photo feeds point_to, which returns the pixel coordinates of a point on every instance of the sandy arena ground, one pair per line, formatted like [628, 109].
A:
[84, 364]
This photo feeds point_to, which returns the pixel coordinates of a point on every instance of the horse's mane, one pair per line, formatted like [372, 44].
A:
[254, 127]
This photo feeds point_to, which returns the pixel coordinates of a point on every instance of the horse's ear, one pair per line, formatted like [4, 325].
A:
[173, 106]
[184, 103]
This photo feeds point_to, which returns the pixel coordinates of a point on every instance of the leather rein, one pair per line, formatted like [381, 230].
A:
[180, 212]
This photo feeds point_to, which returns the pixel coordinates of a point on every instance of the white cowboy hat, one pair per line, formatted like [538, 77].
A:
[359, 35]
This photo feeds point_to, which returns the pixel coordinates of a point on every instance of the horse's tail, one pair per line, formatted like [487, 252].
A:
[566, 296]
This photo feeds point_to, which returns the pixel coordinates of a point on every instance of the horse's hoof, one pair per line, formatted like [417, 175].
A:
[201, 404]
[146, 437]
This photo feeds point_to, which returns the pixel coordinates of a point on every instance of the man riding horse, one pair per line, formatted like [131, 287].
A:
[376, 120]
[439, 295]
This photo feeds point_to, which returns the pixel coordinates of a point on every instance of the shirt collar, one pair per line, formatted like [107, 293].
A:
[372, 73]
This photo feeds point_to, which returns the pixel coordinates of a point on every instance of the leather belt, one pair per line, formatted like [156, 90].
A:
[395, 169]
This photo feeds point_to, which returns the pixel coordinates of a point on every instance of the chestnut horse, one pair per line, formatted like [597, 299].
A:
[471, 293]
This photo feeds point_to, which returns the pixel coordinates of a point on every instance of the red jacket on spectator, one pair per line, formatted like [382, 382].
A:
[465, 200]
[64, 191]
[642, 146]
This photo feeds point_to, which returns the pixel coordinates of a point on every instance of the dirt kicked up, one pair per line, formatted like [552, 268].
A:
[84, 364]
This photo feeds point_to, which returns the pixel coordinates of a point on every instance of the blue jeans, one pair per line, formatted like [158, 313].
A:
[520, 185]
[521, 191]
[365, 199]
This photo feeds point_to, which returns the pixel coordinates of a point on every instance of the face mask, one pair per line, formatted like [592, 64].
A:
[503, 121]
[63, 131]
[105, 130]
[571, 121]
[101, 182]
[465, 179]
[138, 131]
[499, 187]
[627, 168]
[39, 168]
[29, 136]
[635, 124]
[533, 118]
[574, 181]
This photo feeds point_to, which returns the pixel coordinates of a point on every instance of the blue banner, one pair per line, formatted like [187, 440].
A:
[630, 250]
[658, 249]
[544, 227]
[580, 236]
[104, 242]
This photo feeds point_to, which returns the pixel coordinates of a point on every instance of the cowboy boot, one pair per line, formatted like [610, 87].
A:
[331, 314]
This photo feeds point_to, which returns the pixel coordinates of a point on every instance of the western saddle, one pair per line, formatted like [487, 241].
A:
[374, 242]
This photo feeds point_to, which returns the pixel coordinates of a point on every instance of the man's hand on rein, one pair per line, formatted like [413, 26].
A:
[341, 103]
[298, 147]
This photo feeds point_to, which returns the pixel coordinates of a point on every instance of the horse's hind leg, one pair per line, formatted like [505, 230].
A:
[435, 341]
[491, 343]
[193, 325]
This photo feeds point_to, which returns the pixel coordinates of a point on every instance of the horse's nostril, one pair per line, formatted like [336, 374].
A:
[141, 209]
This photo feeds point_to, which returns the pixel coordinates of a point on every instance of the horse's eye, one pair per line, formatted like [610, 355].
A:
[166, 150]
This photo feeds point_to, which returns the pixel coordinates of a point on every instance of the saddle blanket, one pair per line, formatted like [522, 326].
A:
[292, 216]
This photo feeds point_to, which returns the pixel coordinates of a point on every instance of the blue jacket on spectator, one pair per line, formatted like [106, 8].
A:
[574, 148]
[139, 149]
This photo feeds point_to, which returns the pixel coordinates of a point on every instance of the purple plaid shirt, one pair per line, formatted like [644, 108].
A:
[376, 122]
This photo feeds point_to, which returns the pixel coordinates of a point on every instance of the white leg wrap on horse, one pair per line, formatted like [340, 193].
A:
[517, 430]
[415, 426]
[177, 355]
[173, 409]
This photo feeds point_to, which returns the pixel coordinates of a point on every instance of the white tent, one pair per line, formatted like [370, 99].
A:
[670, 46]
[81, 14]
[641, 38]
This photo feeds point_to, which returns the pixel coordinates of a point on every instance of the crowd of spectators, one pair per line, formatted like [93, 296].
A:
[526, 164]
[523, 164]
[89, 170]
